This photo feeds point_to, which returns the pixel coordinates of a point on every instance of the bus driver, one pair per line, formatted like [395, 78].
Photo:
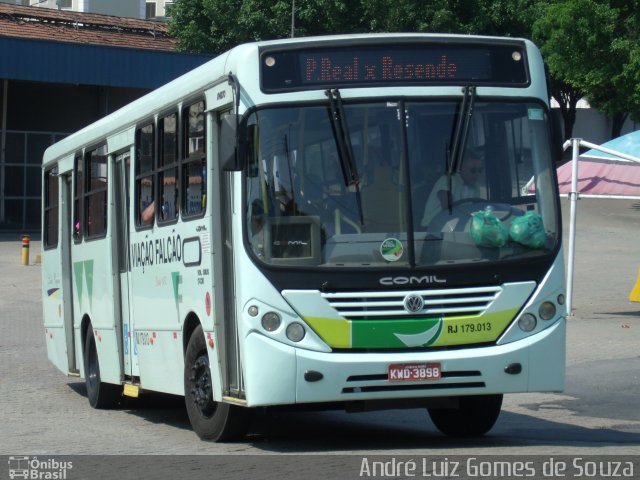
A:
[463, 185]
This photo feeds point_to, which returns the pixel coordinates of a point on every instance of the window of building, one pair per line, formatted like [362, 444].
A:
[167, 9]
[145, 176]
[96, 192]
[22, 164]
[50, 208]
[168, 168]
[194, 161]
[151, 10]
[63, 3]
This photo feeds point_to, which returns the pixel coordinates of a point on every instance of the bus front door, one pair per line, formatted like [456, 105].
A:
[65, 244]
[121, 212]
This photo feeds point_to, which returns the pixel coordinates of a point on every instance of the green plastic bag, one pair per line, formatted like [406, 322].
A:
[487, 230]
[528, 230]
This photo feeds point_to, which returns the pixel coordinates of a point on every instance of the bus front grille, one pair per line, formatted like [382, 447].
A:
[442, 303]
[379, 382]
[412, 387]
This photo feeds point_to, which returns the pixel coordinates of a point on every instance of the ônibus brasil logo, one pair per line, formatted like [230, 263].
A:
[33, 468]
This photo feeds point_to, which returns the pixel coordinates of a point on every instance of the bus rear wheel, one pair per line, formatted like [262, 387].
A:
[210, 420]
[474, 416]
[101, 395]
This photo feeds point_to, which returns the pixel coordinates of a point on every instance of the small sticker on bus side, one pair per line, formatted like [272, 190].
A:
[536, 114]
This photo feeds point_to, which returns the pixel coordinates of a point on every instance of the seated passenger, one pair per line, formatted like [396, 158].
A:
[146, 216]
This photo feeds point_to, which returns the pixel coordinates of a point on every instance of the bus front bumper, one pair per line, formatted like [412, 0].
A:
[277, 374]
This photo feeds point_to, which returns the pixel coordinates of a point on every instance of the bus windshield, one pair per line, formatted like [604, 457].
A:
[408, 203]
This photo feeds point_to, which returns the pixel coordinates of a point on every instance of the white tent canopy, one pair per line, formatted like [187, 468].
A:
[604, 174]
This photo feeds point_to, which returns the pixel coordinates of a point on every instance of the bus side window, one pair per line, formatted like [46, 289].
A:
[50, 209]
[78, 225]
[168, 168]
[96, 192]
[194, 161]
[144, 168]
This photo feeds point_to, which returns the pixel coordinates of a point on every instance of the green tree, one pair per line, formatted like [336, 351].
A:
[619, 96]
[484, 17]
[512, 18]
[410, 16]
[214, 26]
[588, 46]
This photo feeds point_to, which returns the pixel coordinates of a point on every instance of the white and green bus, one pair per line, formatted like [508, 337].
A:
[294, 223]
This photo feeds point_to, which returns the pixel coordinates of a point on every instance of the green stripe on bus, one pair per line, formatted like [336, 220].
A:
[335, 332]
[413, 332]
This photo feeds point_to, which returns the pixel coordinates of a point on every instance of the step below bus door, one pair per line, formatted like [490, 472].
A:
[121, 248]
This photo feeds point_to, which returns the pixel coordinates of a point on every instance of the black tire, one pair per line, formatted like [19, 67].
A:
[101, 395]
[474, 416]
[210, 420]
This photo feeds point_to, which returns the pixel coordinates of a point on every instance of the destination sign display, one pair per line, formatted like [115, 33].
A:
[394, 64]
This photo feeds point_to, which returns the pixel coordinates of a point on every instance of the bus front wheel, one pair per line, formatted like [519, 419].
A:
[210, 420]
[101, 395]
[474, 416]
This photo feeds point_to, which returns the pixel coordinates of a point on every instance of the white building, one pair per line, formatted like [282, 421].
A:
[155, 9]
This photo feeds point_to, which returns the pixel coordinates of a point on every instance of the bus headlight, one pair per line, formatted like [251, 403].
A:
[271, 321]
[547, 311]
[527, 322]
[295, 332]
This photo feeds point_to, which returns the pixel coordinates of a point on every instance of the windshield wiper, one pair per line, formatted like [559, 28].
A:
[343, 142]
[290, 171]
[459, 138]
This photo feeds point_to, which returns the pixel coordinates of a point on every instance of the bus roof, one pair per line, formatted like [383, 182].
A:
[371, 37]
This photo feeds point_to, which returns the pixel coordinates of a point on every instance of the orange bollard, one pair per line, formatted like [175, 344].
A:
[25, 249]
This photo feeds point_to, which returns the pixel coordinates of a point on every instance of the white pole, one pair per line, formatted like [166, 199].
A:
[573, 198]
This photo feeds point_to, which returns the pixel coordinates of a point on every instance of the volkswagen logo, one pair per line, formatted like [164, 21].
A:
[413, 303]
